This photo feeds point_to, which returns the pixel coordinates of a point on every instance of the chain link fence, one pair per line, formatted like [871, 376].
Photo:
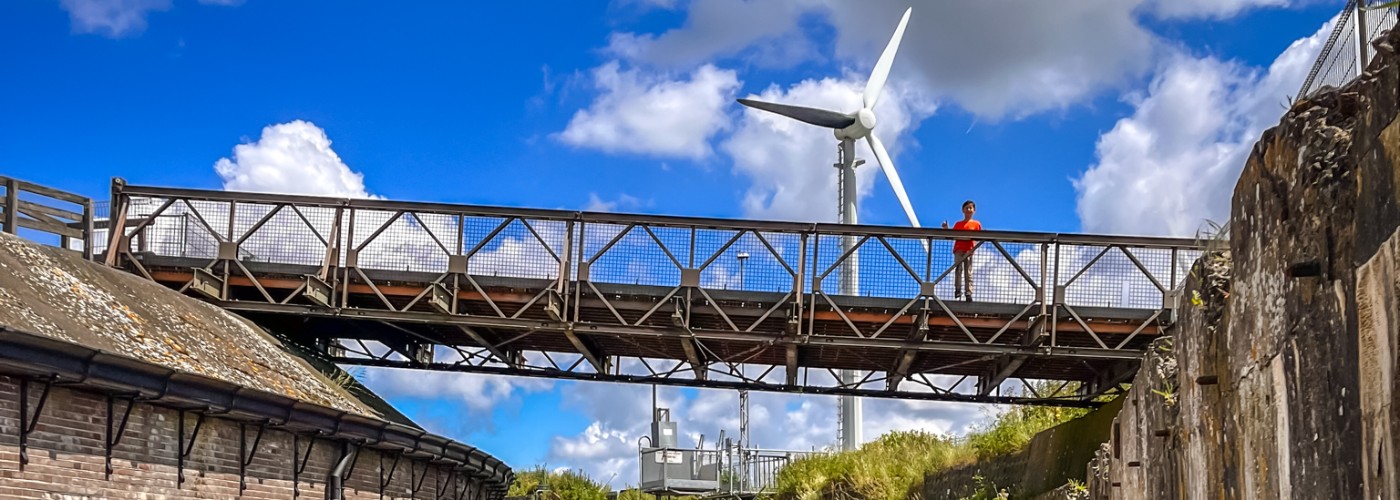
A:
[1348, 49]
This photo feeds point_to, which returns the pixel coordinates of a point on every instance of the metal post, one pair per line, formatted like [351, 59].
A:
[744, 440]
[849, 421]
[743, 256]
[1363, 38]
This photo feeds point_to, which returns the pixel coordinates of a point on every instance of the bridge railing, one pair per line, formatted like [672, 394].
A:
[748, 272]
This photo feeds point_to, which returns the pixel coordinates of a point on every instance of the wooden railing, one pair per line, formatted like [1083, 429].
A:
[47, 210]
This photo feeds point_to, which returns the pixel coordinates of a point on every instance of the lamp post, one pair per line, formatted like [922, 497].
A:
[743, 256]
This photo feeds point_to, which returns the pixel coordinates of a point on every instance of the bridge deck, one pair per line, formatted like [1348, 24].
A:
[681, 301]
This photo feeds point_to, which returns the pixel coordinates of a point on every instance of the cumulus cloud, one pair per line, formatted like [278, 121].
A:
[1218, 9]
[645, 113]
[762, 32]
[994, 59]
[1172, 164]
[290, 158]
[789, 163]
[620, 414]
[118, 18]
[598, 204]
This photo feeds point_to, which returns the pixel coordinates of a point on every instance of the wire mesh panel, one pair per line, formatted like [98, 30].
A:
[1355, 28]
[748, 260]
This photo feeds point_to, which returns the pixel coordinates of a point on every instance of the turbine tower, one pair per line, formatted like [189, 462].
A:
[848, 128]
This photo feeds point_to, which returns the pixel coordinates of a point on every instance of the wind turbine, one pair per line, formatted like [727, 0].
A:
[848, 128]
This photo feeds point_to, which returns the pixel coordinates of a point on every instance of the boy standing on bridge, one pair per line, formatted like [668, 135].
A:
[962, 251]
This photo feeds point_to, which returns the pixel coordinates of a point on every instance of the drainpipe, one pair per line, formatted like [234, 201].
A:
[335, 478]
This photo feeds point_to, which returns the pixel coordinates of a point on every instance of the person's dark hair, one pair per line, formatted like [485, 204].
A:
[969, 202]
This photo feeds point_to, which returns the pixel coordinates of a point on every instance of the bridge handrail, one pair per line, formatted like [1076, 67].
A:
[825, 229]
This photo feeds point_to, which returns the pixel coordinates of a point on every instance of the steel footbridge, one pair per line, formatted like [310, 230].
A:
[1058, 319]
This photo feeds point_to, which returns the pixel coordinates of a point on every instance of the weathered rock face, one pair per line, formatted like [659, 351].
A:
[1286, 354]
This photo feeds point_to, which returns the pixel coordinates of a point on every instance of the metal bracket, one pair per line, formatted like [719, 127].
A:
[318, 291]
[183, 450]
[28, 423]
[228, 250]
[299, 466]
[466, 485]
[440, 487]
[679, 316]
[413, 493]
[440, 299]
[383, 481]
[245, 454]
[690, 277]
[457, 264]
[206, 284]
[114, 436]
[349, 471]
[554, 305]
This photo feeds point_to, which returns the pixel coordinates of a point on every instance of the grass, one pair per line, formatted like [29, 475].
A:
[893, 466]
[882, 469]
[566, 485]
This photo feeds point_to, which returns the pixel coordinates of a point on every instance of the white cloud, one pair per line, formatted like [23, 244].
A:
[597, 204]
[477, 393]
[1218, 9]
[762, 32]
[639, 112]
[117, 18]
[1172, 164]
[290, 158]
[1003, 59]
[789, 163]
[995, 59]
[113, 18]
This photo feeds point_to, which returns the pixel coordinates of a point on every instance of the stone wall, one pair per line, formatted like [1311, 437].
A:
[67, 457]
[1284, 359]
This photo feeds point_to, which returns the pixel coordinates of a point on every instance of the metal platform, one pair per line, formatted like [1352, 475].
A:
[662, 300]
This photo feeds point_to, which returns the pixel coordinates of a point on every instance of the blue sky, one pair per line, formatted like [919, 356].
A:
[1117, 116]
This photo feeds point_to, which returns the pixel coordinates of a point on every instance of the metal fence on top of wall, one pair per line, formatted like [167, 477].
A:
[1348, 49]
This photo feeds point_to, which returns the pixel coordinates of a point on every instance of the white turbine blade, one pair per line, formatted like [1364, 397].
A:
[882, 66]
[887, 166]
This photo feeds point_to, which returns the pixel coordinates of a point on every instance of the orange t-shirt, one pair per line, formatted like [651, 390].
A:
[963, 246]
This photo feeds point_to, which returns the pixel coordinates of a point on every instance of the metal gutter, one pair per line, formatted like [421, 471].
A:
[29, 355]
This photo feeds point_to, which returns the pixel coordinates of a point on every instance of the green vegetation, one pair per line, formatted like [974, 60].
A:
[884, 468]
[893, 466]
[1011, 430]
[541, 484]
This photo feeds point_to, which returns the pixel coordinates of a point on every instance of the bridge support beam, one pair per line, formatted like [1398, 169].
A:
[1007, 364]
[590, 351]
[792, 364]
[1120, 373]
[695, 358]
[905, 358]
[495, 351]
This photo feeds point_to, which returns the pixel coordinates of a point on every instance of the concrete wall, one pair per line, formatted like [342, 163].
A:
[67, 457]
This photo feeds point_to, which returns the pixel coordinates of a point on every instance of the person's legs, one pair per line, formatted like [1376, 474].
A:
[958, 259]
[965, 271]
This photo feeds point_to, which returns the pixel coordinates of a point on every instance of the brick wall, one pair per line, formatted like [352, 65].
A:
[67, 456]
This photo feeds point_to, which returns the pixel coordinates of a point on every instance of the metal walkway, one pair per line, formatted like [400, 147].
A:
[663, 300]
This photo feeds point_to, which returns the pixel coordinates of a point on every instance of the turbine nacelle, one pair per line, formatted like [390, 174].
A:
[864, 123]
